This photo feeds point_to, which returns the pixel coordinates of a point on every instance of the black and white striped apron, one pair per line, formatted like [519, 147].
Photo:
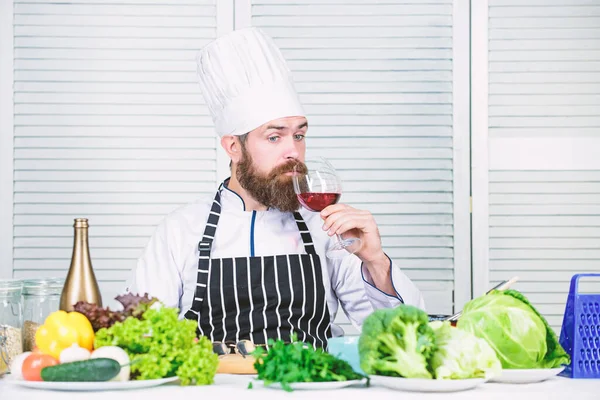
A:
[257, 298]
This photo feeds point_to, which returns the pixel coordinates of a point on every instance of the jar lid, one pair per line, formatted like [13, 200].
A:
[43, 286]
[10, 286]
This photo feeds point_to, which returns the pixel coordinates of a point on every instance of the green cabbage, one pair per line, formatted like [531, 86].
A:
[461, 355]
[520, 336]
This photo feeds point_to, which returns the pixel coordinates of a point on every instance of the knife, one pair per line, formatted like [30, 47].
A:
[501, 286]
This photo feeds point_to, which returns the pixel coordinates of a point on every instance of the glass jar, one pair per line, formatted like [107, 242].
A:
[11, 321]
[41, 297]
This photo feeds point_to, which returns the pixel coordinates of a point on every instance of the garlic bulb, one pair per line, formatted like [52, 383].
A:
[74, 353]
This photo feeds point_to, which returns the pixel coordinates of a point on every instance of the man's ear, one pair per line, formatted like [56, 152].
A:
[232, 147]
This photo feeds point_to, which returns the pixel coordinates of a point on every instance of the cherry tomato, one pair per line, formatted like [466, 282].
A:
[33, 364]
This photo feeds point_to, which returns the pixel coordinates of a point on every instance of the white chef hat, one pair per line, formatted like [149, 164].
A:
[246, 82]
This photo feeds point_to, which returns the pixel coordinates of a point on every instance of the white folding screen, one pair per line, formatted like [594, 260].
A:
[109, 125]
[536, 153]
[107, 122]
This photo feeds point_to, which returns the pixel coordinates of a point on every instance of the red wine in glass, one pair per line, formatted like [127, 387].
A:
[318, 187]
[318, 201]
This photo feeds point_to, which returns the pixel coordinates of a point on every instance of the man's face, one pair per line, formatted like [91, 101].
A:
[268, 158]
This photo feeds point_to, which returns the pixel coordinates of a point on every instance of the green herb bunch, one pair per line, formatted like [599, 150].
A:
[286, 363]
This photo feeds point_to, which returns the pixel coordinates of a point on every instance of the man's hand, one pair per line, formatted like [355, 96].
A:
[346, 221]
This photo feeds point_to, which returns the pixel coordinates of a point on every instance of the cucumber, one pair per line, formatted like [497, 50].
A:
[92, 370]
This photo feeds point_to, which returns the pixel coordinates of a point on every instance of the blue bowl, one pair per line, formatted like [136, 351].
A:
[346, 348]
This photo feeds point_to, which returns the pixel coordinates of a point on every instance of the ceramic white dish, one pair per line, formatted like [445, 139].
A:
[526, 375]
[91, 386]
[311, 385]
[425, 385]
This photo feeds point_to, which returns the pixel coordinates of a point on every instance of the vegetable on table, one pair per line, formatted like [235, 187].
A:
[287, 363]
[92, 370]
[161, 345]
[520, 336]
[397, 342]
[133, 306]
[16, 365]
[74, 353]
[62, 329]
[117, 354]
[33, 365]
[461, 355]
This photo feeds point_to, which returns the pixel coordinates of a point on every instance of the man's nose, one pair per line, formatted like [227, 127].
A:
[291, 151]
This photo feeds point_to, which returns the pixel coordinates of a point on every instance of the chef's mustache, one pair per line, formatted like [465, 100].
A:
[290, 166]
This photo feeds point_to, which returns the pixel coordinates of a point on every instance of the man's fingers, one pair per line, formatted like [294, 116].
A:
[347, 222]
[327, 211]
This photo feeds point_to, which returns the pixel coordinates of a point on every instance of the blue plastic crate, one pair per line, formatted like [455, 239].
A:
[580, 332]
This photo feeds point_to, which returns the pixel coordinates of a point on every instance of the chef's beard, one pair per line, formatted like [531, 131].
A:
[273, 190]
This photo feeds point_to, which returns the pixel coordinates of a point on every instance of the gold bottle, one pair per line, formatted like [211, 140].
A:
[81, 284]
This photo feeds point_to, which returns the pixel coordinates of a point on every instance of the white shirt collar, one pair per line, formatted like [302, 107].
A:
[231, 199]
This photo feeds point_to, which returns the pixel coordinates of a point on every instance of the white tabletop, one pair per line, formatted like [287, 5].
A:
[236, 387]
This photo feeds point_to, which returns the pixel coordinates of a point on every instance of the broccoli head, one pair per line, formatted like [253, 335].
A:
[397, 342]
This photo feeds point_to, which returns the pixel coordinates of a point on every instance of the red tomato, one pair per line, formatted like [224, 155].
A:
[33, 364]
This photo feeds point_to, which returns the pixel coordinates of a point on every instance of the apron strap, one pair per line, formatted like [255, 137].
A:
[309, 245]
[204, 258]
[211, 224]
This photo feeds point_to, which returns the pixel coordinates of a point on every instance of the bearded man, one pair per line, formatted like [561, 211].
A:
[249, 263]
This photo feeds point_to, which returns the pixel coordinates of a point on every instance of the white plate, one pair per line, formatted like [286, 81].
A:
[311, 385]
[91, 386]
[426, 385]
[526, 375]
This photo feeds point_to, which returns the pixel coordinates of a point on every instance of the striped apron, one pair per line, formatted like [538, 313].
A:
[258, 298]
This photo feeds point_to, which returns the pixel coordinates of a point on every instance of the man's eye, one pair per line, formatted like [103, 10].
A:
[273, 139]
[299, 137]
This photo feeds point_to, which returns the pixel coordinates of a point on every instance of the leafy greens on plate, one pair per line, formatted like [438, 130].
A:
[518, 333]
[287, 363]
[161, 345]
[397, 342]
[462, 355]
[401, 342]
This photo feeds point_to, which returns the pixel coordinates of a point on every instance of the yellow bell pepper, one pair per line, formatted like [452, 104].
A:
[61, 330]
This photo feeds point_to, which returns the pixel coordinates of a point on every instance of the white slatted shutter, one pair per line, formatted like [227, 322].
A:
[110, 125]
[544, 146]
[376, 82]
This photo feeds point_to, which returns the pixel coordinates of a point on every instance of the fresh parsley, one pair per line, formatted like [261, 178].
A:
[286, 363]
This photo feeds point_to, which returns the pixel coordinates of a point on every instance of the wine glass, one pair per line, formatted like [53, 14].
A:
[320, 186]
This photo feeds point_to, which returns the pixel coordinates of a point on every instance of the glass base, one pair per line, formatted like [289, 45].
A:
[343, 247]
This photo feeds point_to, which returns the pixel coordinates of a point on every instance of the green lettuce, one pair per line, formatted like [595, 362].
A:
[520, 336]
[461, 355]
[161, 345]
